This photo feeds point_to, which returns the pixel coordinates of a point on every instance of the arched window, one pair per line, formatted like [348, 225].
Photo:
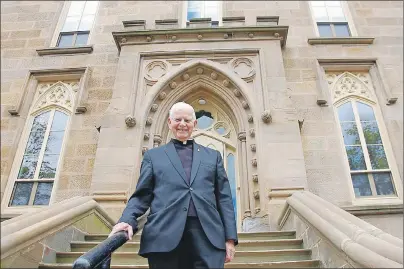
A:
[37, 171]
[38, 158]
[370, 170]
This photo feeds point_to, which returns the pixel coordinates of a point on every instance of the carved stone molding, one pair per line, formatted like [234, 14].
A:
[213, 75]
[257, 210]
[245, 104]
[256, 194]
[253, 147]
[154, 107]
[266, 116]
[255, 178]
[130, 121]
[199, 71]
[162, 95]
[241, 136]
[144, 149]
[236, 92]
[173, 85]
[146, 136]
[155, 70]
[54, 94]
[149, 121]
[252, 132]
[226, 83]
[185, 77]
[244, 68]
[199, 37]
[348, 83]
[250, 118]
[157, 139]
[254, 162]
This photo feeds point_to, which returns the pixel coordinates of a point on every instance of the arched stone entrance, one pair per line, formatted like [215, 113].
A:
[225, 116]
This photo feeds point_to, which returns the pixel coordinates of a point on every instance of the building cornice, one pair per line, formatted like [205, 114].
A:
[186, 35]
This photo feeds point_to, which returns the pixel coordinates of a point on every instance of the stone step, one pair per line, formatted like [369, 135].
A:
[281, 264]
[241, 236]
[246, 245]
[129, 258]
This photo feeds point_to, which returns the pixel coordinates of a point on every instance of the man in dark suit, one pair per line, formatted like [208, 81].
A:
[191, 222]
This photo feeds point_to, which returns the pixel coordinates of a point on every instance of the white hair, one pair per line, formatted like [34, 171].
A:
[180, 105]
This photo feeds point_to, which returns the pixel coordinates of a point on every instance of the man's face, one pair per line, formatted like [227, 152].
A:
[181, 123]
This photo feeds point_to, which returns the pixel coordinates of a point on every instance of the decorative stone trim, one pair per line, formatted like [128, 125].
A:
[146, 136]
[81, 73]
[253, 147]
[157, 139]
[173, 85]
[161, 68]
[185, 77]
[256, 194]
[266, 116]
[210, 34]
[267, 20]
[252, 132]
[236, 92]
[226, 83]
[144, 149]
[166, 24]
[242, 136]
[213, 75]
[246, 76]
[250, 118]
[245, 104]
[380, 209]
[233, 21]
[340, 40]
[254, 162]
[154, 107]
[199, 70]
[162, 95]
[255, 178]
[257, 210]
[130, 121]
[149, 121]
[139, 24]
[65, 50]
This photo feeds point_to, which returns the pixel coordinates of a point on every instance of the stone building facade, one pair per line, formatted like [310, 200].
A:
[274, 96]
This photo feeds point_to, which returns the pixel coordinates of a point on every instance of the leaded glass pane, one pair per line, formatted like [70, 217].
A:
[48, 167]
[76, 8]
[71, 24]
[384, 185]
[22, 193]
[361, 185]
[43, 193]
[341, 30]
[371, 132]
[81, 39]
[350, 133]
[59, 121]
[204, 119]
[324, 30]
[365, 112]
[221, 130]
[34, 143]
[377, 157]
[91, 7]
[27, 168]
[345, 112]
[54, 142]
[355, 157]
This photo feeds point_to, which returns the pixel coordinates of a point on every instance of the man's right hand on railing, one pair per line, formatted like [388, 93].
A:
[122, 226]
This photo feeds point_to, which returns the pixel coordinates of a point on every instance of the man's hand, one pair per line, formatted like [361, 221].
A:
[230, 250]
[122, 226]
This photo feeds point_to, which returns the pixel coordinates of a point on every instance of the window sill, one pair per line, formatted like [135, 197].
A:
[380, 209]
[65, 50]
[340, 40]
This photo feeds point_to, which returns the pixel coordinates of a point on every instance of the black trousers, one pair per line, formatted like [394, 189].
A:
[194, 251]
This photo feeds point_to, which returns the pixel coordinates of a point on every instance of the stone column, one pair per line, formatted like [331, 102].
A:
[245, 193]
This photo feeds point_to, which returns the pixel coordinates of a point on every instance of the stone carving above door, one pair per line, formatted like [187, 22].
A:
[244, 68]
[59, 93]
[155, 70]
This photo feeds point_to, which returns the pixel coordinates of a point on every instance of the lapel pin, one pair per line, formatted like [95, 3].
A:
[198, 149]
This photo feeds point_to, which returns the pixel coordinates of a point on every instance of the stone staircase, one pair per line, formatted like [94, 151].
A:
[255, 250]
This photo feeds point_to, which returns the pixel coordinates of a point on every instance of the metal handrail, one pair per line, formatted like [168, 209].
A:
[99, 257]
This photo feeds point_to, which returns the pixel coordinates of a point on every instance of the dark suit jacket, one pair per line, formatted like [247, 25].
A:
[162, 186]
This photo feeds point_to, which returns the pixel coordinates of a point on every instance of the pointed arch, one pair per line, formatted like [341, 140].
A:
[59, 94]
[348, 85]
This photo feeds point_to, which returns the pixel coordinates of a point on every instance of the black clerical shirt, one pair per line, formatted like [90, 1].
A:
[185, 152]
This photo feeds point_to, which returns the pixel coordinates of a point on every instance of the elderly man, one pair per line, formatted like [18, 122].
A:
[191, 222]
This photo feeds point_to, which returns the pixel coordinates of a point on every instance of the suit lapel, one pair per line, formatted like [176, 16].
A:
[196, 161]
[175, 160]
